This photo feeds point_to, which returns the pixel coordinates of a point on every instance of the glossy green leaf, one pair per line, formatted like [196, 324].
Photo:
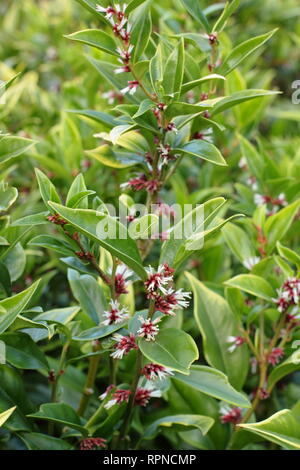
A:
[290, 365]
[179, 423]
[89, 294]
[214, 383]
[12, 147]
[216, 323]
[86, 221]
[60, 413]
[195, 11]
[229, 9]
[172, 348]
[141, 29]
[95, 38]
[254, 285]
[239, 97]
[242, 51]
[282, 428]
[204, 150]
[22, 352]
[6, 414]
[15, 305]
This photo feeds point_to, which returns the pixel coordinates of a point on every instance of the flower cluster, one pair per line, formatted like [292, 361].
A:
[230, 415]
[121, 277]
[288, 294]
[115, 314]
[57, 219]
[124, 344]
[92, 443]
[143, 395]
[155, 371]
[235, 342]
[275, 356]
[141, 182]
[148, 329]
[275, 203]
[118, 397]
[116, 15]
[166, 298]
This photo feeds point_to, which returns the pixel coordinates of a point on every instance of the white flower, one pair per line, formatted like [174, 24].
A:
[148, 328]
[115, 314]
[250, 262]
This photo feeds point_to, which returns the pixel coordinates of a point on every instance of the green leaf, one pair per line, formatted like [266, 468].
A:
[291, 364]
[192, 84]
[6, 414]
[193, 7]
[77, 194]
[34, 219]
[172, 348]
[288, 254]
[242, 51]
[47, 189]
[239, 97]
[22, 352]
[38, 441]
[95, 38]
[144, 107]
[254, 285]
[278, 224]
[229, 9]
[99, 116]
[15, 305]
[89, 294]
[133, 5]
[174, 70]
[141, 29]
[12, 147]
[179, 423]
[214, 383]
[114, 158]
[7, 197]
[5, 280]
[282, 428]
[51, 243]
[216, 323]
[60, 413]
[98, 332]
[86, 221]
[238, 242]
[156, 69]
[202, 149]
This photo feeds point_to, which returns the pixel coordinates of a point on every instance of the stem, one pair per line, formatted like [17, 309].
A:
[129, 409]
[54, 384]
[91, 259]
[263, 366]
[90, 381]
